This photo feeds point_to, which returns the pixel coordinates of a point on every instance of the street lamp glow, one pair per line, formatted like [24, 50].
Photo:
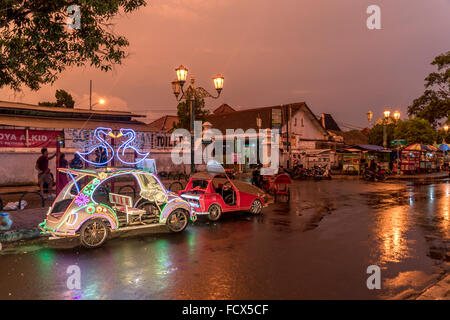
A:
[397, 115]
[181, 74]
[218, 82]
[101, 101]
[370, 116]
[386, 113]
[446, 128]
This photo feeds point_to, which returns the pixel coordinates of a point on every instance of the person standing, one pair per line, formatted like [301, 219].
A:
[63, 163]
[76, 162]
[44, 175]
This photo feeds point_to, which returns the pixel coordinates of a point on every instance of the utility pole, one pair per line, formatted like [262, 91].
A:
[90, 95]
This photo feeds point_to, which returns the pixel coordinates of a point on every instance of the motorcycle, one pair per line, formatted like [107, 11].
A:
[300, 173]
[378, 175]
[320, 172]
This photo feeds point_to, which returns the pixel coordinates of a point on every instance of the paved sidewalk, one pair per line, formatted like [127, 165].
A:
[438, 291]
[24, 226]
[27, 219]
[436, 175]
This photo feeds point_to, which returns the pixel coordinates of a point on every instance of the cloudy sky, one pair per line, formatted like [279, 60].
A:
[270, 52]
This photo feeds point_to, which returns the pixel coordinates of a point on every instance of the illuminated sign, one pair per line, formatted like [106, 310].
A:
[105, 152]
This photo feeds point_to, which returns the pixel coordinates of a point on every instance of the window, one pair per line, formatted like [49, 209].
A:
[302, 123]
[295, 122]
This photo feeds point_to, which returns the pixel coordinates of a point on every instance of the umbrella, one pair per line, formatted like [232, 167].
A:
[418, 147]
[444, 147]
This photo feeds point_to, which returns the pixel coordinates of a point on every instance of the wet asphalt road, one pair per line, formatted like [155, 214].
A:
[316, 247]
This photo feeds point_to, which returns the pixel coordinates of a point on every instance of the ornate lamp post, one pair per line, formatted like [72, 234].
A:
[190, 94]
[445, 127]
[386, 114]
[370, 117]
[397, 115]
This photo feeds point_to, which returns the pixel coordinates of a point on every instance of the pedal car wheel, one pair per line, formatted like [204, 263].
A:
[94, 233]
[177, 220]
[256, 207]
[214, 212]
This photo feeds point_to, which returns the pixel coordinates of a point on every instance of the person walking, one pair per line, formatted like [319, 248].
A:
[44, 175]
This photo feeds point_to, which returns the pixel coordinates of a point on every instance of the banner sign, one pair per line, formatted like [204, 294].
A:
[16, 138]
[76, 139]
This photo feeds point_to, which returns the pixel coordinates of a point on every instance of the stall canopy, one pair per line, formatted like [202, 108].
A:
[444, 147]
[418, 147]
[366, 147]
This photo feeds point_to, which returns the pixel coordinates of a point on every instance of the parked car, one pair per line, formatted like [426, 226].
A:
[212, 194]
[86, 207]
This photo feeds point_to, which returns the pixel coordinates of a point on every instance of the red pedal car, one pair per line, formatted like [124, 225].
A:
[215, 193]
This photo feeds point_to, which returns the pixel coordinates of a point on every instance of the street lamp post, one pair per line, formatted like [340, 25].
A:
[190, 94]
[386, 113]
[370, 117]
[445, 127]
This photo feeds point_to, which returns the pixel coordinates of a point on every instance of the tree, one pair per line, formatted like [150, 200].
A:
[63, 100]
[415, 131]
[184, 115]
[434, 104]
[376, 134]
[36, 43]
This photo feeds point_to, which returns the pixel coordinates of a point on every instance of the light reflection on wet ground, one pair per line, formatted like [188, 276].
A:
[318, 246]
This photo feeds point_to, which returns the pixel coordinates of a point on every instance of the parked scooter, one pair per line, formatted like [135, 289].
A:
[321, 172]
[378, 175]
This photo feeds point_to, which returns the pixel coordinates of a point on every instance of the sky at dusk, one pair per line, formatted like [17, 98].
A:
[270, 52]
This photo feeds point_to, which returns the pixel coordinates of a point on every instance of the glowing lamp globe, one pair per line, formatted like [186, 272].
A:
[218, 82]
[181, 74]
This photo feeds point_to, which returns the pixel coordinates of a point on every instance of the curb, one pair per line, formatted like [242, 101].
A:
[437, 291]
[17, 235]
[418, 178]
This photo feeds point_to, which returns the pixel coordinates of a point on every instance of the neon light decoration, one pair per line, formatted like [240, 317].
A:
[131, 134]
[99, 142]
[84, 207]
[82, 199]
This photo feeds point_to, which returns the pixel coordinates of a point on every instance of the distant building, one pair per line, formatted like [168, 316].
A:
[164, 124]
[224, 108]
[300, 130]
[26, 128]
[328, 122]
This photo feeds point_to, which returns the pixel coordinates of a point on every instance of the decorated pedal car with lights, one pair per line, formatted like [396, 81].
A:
[213, 193]
[89, 208]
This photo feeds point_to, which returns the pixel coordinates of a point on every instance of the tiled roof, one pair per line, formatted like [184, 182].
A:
[246, 119]
[224, 108]
[353, 137]
[165, 123]
[328, 122]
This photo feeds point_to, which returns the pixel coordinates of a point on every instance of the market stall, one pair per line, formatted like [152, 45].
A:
[420, 158]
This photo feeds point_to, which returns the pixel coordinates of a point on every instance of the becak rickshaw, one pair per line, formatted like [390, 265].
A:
[86, 208]
[281, 184]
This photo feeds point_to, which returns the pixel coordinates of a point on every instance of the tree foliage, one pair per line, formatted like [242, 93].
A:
[415, 131]
[434, 104]
[184, 116]
[63, 100]
[36, 43]
[376, 134]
